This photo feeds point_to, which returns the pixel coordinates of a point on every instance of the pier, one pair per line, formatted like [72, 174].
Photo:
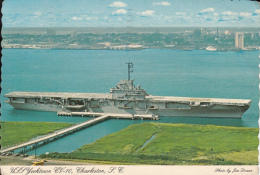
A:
[112, 115]
[57, 134]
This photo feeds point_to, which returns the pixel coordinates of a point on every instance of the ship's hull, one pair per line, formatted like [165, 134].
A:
[217, 111]
[124, 103]
[37, 107]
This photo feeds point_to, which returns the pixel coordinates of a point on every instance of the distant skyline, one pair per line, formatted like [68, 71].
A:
[144, 13]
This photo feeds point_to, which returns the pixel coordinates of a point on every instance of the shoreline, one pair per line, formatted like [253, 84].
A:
[71, 160]
[11, 160]
[169, 149]
[232, 50]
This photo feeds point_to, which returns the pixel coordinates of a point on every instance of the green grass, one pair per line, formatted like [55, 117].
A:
[126, 141]
[173, 144]
[17, 132]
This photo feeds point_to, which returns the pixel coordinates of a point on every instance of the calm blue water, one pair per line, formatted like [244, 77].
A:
[160, 72]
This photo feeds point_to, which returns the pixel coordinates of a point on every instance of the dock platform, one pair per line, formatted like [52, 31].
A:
[112, 115]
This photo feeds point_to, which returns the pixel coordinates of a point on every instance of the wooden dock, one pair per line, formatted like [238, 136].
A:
[57, 134]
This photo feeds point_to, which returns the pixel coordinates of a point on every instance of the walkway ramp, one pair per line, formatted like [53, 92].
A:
[101, 117]
[57, 133]
[112, 115]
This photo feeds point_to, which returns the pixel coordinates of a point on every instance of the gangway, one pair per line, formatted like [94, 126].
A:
[56, 133]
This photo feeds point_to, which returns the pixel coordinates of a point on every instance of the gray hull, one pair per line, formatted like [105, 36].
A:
[37, 107]
[125, 98]
[216, 111]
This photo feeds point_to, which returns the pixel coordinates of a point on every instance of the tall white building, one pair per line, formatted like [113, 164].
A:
[239, 41]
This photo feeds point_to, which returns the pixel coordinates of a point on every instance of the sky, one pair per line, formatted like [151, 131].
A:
[136, 13]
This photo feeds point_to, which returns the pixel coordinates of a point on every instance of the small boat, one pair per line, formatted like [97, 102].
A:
[38, 163]
[211, 48]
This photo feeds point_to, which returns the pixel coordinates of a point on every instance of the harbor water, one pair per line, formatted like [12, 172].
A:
[195, 73]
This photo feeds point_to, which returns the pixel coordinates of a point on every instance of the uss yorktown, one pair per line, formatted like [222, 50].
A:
[126, 99]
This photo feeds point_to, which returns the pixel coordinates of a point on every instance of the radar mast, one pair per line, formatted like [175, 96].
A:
[130, 68]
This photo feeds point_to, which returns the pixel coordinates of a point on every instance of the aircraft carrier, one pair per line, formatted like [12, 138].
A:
[125, 98]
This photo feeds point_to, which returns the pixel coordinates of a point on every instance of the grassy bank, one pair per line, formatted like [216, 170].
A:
[17, 132]
[173, 144]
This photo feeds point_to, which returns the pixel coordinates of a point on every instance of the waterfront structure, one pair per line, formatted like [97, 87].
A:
[127, 99]
[239, 40]
[203, 31]
[211, 48]
[196, 34]
[74, 34]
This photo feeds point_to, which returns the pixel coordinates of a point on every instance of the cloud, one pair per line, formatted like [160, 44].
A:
[146, 13]
[208, 10]
[180, 13]
[38, 13]
[118, 4]
[257, 12]
[83, 17]
[228, 18]
[119, 12]
[74, 18]
[164, 3]
[91, 18]
[235, 17]
[229, 13]
[245, 14]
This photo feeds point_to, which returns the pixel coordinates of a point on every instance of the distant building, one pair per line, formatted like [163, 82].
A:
[252, 35]
[74, 34]
[203, 31]
[188, 39]
[227, 32]
[196, 34]
[239, 40]
[127, 47]
[104, 44]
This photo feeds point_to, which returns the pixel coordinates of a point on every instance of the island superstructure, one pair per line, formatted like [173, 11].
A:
[126, 98]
